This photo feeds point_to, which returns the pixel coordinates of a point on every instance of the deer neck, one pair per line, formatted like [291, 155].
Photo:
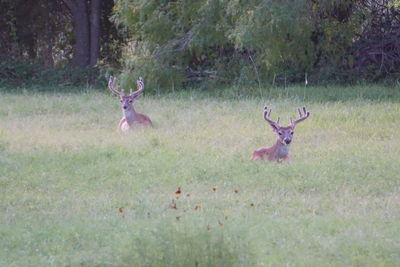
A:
[130, 114]
[281, 149]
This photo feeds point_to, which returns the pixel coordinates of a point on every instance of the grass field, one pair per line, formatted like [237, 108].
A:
[75, 191]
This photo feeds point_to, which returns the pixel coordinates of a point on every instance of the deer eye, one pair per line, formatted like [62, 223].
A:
[130, 101]
[279, 133]
[291, 133]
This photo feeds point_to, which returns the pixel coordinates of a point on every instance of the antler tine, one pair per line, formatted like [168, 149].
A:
[302, 116]
[267, 113]
[111, 85]
[140, 86]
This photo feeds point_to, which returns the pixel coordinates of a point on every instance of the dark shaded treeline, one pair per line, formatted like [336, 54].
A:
[50, 32]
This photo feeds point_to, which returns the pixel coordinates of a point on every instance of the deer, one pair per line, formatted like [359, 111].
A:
[279, 152]
[131, 118]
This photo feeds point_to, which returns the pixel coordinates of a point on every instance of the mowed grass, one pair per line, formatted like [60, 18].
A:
[75, 191]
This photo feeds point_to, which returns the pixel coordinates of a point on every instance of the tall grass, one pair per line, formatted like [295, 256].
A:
[75, 191]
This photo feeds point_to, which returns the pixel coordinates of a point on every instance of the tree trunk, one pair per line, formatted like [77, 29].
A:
[95, 31]
[47, 53]
[80, 22]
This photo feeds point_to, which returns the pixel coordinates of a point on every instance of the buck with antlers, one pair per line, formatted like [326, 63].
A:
[280, 151]
[131, 118]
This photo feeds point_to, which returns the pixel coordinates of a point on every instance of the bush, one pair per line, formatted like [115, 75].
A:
[21, 73]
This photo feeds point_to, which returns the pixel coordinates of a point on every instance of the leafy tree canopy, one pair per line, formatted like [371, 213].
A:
[254, 42]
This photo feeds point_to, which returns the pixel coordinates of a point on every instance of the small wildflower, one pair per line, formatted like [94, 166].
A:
[173, 205]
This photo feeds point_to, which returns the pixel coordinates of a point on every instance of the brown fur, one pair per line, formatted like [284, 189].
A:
[131, 118]
[280, 150]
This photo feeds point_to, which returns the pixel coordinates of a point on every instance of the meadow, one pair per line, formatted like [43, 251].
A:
[74, 191]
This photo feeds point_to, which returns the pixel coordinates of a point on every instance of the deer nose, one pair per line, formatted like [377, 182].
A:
[287, 141]
[125, 107]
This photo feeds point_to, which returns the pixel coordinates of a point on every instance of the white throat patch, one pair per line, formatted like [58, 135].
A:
[129, 114]
[283, 150]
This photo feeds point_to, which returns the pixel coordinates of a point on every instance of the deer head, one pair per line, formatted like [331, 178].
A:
[126, 100]
[286, 133]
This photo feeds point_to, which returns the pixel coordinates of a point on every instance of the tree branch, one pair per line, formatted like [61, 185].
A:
[70, 4]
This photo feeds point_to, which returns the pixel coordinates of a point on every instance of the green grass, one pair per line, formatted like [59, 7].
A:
[65, 172]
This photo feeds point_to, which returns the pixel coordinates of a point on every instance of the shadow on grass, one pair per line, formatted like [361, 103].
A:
[317, 94]
[169, 245]
[303, 94]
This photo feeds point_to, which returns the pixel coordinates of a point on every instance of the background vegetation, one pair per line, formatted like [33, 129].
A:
[59, 42]
[207, 43]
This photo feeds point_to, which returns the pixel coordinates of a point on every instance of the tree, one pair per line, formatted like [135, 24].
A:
[218, 41]
[95, 15]
[180, 42]
[86, 23]
[38, 35]
[80, 23]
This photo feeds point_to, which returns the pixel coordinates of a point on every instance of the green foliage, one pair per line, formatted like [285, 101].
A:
[256, 42]
[22, 73]
[278, 31]
[174, 40]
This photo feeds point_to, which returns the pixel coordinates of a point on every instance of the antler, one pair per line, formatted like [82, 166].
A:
[302, 116]
[112, 84]
[274, 124]
[140, 86]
